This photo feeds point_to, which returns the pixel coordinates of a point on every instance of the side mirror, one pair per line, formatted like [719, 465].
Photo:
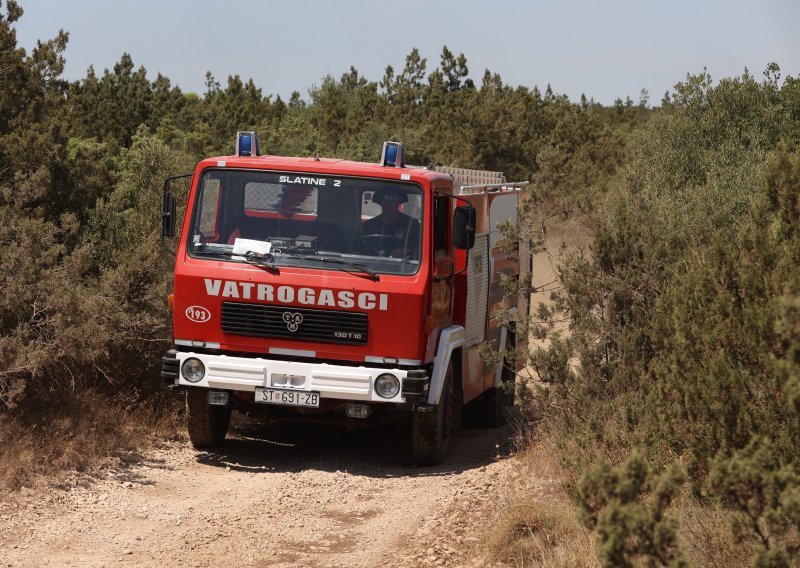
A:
[168, 216]
[464, 227]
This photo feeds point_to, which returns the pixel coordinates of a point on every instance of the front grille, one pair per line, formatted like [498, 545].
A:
[324, 326]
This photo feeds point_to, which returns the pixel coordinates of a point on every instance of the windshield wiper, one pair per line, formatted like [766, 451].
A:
[360, 269]
[265, 261]
[212, 252]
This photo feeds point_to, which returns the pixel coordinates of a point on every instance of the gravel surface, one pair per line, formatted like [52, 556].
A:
[285, 495]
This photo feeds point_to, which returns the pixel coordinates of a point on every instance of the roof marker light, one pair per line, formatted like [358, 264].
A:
[393, 155]
[247, 144]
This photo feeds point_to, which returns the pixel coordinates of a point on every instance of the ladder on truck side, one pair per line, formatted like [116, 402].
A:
[469, 182]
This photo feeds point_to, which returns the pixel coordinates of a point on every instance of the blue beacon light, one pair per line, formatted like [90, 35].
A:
[247, 144]
[393, 155]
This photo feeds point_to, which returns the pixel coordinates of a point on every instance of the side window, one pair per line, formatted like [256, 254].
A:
[441, 210]
[413, 207]
[260, 196]
[208, 210]
[369, 208]
[268, 198]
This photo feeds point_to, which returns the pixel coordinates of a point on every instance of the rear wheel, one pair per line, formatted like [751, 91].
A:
[207, 424]
[430, 431]
[491, 408]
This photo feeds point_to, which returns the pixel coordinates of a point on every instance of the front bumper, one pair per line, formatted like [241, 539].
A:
[343, 382]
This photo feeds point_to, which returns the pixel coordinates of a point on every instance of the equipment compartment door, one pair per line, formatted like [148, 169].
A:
[476, 317]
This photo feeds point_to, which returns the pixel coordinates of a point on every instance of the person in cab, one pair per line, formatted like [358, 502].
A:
[392, 232]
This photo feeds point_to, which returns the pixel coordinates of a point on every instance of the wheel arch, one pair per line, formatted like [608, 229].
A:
[451, 340]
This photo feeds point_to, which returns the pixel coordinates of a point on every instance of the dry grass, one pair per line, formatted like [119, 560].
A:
[537, 526]
[80, 432]
[705, 536]
[542, 534]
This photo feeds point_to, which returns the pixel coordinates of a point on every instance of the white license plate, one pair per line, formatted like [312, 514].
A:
[287, 397]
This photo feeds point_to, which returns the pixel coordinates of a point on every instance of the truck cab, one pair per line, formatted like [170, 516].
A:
[324, 289]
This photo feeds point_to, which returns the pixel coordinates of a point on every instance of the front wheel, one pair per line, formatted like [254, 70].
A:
[430, 431]
[207, 424]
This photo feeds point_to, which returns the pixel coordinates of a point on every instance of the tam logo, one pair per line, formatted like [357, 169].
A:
[198, 314]
[293, 320]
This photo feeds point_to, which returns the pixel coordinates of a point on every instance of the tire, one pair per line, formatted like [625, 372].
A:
[431, 431]
[207, 424]
[490, 410]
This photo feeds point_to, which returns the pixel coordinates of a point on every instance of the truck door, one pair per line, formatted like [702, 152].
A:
[442, 293]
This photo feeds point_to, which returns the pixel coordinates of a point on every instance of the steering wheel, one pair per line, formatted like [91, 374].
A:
[376, 243]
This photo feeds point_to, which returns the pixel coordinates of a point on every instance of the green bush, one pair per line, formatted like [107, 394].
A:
[673, 312]
[766, 496]
[629, 512]
[683, 314]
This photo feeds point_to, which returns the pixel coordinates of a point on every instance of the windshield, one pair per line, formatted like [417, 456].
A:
[299, 219]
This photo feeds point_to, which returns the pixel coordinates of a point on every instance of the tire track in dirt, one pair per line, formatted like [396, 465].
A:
[288, 495]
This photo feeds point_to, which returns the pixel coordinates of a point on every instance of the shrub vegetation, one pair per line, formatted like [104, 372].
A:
[683, 321]
[672, 341]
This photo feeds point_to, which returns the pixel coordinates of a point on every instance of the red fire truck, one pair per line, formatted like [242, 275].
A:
[328, 290]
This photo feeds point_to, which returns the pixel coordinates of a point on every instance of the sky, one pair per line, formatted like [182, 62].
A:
[605, 49]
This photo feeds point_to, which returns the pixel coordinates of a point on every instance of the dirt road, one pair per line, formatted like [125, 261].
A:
[285, 495]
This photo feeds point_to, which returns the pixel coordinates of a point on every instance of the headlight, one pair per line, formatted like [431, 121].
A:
[387, 385]
[193, 370]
